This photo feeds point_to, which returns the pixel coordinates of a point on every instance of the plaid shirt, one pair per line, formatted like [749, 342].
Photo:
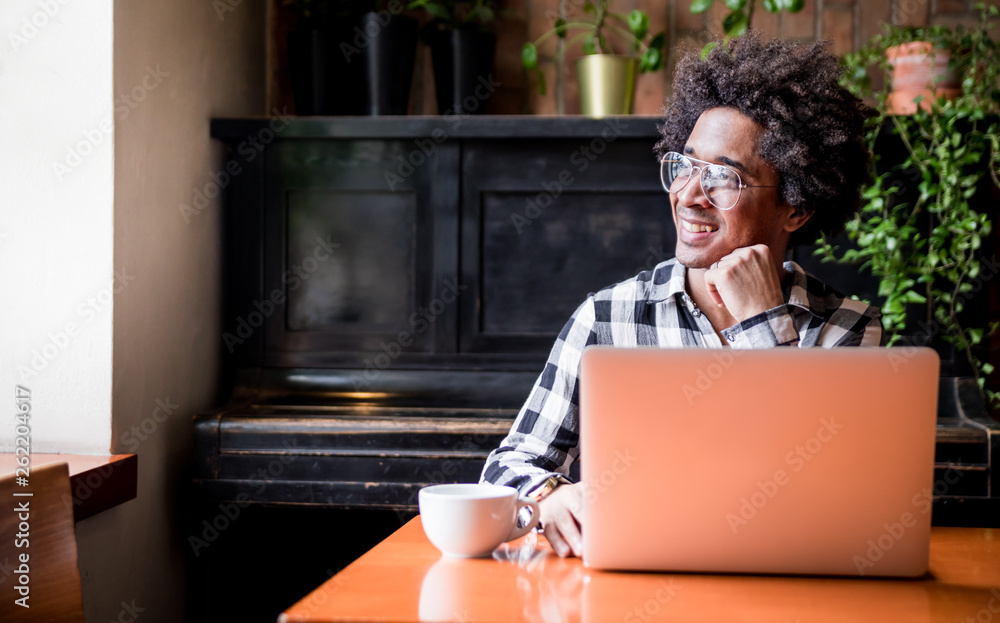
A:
[653, 309]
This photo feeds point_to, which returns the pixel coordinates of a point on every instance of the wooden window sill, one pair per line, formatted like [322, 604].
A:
[97, 482]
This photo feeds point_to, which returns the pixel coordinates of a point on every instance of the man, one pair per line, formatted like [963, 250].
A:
[760, 148]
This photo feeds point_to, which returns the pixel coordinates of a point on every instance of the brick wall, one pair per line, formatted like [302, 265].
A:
[846, 23]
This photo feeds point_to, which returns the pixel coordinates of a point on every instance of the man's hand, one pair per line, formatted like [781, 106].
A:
[560, 514]
[745, 282]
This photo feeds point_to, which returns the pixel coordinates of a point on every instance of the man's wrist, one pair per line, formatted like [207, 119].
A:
[546, 487]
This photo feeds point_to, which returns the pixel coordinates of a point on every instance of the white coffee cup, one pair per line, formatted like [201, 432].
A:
[471, 520]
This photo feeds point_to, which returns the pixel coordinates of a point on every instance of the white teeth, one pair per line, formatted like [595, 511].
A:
[691, 227]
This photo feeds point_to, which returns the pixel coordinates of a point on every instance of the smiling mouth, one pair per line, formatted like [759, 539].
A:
[696, 229]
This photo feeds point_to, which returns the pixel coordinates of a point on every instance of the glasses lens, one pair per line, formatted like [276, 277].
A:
[675, 172]
[722, 185]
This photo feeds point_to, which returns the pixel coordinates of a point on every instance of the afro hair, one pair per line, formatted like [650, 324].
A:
[814, 129]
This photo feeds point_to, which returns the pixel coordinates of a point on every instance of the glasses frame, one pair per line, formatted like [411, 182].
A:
[702, 168]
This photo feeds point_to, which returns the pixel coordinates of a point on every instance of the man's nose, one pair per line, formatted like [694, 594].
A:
[692, 194]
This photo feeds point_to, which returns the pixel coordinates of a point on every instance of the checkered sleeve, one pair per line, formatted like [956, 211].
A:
[860, 325]
[544, 438]
[846, 323]
[813, 315]
[774, 327]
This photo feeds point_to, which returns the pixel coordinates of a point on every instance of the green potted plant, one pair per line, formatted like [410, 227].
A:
[916, 62]
[740, 16]
[462, 51]
[616, 47]
[924, 223]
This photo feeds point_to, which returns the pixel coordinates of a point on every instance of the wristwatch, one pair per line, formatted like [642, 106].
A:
[546, 488]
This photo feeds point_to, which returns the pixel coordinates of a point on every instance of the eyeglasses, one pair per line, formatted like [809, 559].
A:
[722, 185]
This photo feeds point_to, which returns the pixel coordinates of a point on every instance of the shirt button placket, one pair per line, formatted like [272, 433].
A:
[691, 306]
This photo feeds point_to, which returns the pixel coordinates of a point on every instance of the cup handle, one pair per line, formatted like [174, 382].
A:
[516, 532]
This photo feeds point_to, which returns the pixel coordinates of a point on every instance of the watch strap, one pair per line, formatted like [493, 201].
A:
[546, 487]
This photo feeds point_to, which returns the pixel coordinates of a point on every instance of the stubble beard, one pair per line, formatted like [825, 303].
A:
[692, 258]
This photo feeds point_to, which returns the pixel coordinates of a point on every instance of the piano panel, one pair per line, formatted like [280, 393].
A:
[590, 240]
[366, 282]
[358, 240]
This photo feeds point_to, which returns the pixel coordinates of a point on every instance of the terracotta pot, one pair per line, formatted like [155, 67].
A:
[919, 69]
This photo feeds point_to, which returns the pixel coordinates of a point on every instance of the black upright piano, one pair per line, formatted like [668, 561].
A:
[394, 286]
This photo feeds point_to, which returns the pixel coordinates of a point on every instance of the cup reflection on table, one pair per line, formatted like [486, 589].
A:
[525, 581]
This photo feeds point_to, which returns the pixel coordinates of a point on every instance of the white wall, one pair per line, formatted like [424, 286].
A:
[154, 80]
[56, 220]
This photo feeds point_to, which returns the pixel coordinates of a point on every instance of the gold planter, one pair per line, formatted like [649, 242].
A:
[607, 84]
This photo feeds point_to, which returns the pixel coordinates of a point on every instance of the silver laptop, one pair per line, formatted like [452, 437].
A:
[790, 461]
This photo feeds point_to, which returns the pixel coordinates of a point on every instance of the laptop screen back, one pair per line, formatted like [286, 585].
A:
[809, 461]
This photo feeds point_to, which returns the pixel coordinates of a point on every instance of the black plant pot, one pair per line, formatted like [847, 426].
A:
[463, 63]
[362, 66]
[319, 71]
[374, 61]
[307, 59]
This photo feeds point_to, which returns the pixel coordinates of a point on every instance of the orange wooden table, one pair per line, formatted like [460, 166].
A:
[405, 579]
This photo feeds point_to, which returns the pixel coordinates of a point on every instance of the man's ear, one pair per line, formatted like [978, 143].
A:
[795, 219]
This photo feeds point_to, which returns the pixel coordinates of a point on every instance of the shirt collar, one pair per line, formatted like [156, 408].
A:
[668, 278]
[667, 281]
[797, 292]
